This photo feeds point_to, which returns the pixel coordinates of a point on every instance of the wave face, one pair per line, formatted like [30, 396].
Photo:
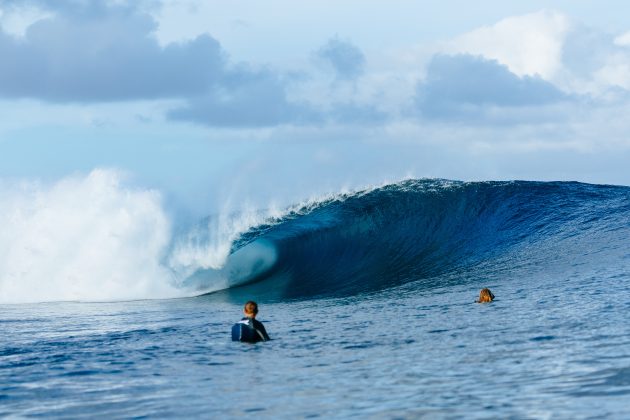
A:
[430, 231]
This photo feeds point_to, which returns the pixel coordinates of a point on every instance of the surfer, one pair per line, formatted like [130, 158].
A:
[249, 329]
[485, 296]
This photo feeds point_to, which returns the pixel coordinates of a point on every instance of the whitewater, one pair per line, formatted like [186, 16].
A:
[111, 306]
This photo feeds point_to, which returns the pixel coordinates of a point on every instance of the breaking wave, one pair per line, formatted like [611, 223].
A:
[92, 238]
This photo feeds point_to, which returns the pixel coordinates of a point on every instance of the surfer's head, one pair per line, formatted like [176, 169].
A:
[485, 296]
[251, 309]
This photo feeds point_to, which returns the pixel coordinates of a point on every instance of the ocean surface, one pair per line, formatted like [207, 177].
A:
[368, 297]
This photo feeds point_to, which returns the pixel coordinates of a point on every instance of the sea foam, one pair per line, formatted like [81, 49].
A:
[82, 238]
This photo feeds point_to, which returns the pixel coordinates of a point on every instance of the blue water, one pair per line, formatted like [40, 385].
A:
[369, 300]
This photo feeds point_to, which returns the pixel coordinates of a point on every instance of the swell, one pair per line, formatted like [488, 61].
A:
[423, 231]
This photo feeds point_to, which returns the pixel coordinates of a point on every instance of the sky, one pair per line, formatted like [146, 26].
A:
[215, 102]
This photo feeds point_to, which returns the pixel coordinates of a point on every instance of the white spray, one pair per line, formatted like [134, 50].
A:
[83, 238]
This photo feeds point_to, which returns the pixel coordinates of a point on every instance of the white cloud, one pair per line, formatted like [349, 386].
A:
[623, 40]
[15, 21]
[615, 73]
[576, 58]
[529, 44]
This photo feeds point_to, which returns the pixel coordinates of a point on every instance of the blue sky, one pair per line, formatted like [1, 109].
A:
[280, 100]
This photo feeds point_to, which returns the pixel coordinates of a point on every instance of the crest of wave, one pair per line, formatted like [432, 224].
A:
[82, 238]
[208, 245]
[203, 259]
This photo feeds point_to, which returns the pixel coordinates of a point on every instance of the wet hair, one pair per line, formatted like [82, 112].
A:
[485, 296]
[251, 307]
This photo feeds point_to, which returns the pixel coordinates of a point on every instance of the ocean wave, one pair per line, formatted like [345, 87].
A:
[423, 229]
[93, 238]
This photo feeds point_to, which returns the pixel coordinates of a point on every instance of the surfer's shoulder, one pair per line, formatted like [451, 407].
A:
[249, 329]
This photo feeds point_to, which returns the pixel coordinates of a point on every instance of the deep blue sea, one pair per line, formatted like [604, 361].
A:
[369, 300]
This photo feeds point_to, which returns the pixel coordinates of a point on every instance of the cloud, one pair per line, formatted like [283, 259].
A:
[585, 50]
[269, 107]
[247, 98]
[594, 63]
[529, 44]
[347, 61]
[105, 52]
[250, 98]
[574, 57]
[465, 86]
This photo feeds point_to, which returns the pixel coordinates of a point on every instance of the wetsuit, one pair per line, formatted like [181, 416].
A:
[249, 330]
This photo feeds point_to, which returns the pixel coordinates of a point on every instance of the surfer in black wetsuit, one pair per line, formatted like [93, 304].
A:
[249, 329]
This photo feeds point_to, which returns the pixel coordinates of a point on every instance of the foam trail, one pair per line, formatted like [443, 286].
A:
[83, 238]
